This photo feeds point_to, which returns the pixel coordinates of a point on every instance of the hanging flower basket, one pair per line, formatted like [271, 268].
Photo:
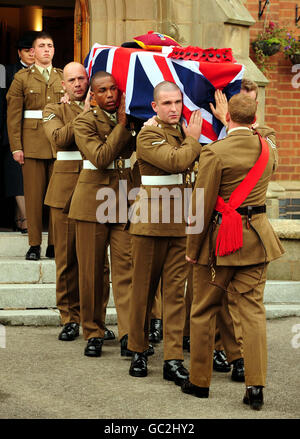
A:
[267, 48]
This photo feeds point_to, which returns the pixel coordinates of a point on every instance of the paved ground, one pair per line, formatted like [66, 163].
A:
[43, 378]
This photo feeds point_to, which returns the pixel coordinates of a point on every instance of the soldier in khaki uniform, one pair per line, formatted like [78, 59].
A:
[59, 129]
[241, 267]
[58, 125]
[106, 146]
[30, 91]
[164, 156]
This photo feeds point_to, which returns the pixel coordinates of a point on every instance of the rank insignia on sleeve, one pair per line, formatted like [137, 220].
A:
[51, 116]
[158, 143]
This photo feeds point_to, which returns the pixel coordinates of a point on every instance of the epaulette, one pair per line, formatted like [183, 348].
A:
[23, 71]
[272, 144]
[57, 70]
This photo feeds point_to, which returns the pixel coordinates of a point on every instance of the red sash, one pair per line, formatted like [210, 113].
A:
[230, 235]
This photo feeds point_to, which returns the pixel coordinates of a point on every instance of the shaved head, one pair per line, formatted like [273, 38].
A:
[75, 81]
[73, 66]
[165, 86]
[99, 75]
[167, 102]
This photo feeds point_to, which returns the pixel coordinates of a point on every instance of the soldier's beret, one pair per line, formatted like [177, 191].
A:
[154, 41]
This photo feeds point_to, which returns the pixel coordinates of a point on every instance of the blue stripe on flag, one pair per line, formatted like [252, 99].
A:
[142, 96]
[100, 61]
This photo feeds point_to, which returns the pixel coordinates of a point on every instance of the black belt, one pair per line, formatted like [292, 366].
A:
[248, 210]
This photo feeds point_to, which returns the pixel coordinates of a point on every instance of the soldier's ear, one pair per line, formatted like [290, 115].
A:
[154, 106]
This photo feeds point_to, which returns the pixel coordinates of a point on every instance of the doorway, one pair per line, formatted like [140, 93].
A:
[67, 21]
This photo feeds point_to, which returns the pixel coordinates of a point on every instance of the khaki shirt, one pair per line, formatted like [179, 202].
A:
[102, 142]
[223, 165]
[59, 129]
[30, 91]
[162, 151]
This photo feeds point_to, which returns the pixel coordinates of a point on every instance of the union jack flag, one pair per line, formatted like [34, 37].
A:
[137, 72]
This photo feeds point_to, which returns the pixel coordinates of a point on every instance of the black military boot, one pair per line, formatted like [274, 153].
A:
[156, 332]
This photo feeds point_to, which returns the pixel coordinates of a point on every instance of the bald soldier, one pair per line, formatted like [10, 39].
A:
[30, 91]
[165, 157]
[59, 128]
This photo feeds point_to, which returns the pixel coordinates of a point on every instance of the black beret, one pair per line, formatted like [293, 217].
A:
[25, 42]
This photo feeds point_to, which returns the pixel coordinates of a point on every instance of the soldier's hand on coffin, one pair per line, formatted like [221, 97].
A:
[121, 115]
[19, 157]
[151, 122]
[87, 102]
[194, 127]
[221, 107]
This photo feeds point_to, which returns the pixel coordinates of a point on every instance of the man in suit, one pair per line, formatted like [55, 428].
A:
[106, 145]
[30, 91]
[165, 157]
[239, 265]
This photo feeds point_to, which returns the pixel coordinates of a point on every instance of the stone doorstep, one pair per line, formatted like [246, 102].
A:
[14, 244]
[32, 296]
[17, 270]
[50, 317]
[42, 317]
[280, 311]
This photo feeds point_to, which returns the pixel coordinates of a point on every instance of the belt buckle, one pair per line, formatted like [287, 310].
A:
[119, 164]
[188, 177]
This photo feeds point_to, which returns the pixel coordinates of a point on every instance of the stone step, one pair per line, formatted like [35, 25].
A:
[50, 317]
[282, 291]
[42, 295]
[42, 317]
[14, 244]
[16, 270]
[282, 310]
[31, 296]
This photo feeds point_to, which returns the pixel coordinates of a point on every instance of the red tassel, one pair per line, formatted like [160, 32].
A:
[230, 235]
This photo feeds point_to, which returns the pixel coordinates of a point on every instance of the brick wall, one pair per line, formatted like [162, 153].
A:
[282, 111]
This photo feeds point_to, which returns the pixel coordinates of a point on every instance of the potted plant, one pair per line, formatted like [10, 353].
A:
[268, 43]
[291, 48]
